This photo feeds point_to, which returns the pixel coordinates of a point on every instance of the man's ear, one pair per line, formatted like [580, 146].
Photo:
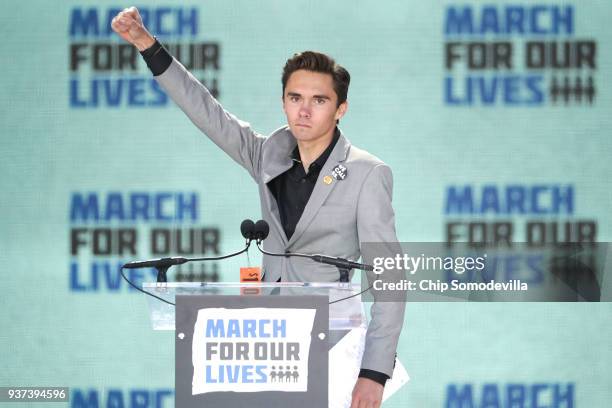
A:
[341, 110]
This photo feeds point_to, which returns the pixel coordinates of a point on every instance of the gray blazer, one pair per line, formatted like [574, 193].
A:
[338, 216]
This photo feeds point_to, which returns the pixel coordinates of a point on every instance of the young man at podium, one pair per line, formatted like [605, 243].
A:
[318, 193]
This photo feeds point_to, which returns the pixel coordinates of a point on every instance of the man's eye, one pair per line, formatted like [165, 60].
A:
[319, 101]
[294, 98]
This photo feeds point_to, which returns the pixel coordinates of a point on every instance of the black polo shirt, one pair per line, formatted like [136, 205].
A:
[292, 189]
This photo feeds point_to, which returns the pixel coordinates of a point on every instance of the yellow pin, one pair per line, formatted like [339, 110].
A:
[327, 179]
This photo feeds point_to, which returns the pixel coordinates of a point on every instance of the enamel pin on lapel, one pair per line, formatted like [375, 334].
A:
[339, 172]
[327, 180]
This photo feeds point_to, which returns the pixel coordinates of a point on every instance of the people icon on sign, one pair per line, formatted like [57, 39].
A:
[287, 375]
[295, 374]
[273, 374]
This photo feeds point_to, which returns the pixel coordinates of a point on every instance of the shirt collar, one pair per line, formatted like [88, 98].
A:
[320, 161]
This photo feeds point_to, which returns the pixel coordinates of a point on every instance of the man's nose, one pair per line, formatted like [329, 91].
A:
[305, 110]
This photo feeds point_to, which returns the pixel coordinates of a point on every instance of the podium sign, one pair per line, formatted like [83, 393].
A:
[251, 351]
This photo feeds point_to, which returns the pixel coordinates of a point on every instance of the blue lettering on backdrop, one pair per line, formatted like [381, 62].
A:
[456, 398]
[490, 397]
[495, 395]
[105, 274]
[113, 397]
[133, 206]
[494, 90]
[515, 394]
[510, 199]
[116, 92]
[504, 20]
[164, 21]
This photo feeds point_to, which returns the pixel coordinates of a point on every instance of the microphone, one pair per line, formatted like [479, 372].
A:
[155, 263]
[161, 264]
[247, 229]
[341, 262]
[262, 229]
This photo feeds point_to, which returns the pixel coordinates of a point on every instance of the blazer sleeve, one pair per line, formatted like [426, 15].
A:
[376, 223]
[231, 134]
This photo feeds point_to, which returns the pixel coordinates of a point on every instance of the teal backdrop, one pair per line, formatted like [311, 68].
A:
[89, 143]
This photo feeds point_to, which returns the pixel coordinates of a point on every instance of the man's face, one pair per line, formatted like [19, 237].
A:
[310, 105]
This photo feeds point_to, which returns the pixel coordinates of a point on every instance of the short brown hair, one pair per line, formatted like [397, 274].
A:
[319, 62]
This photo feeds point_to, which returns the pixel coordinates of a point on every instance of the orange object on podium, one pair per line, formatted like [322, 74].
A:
[250, 274]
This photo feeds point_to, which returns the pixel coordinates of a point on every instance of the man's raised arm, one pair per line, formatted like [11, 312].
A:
[232, 135]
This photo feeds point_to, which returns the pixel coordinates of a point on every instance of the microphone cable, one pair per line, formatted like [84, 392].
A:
[214, 258]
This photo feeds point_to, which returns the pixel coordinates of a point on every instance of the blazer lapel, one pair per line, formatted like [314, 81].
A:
[270, 202]
[321, 190]
[276, 161]
[277, 155]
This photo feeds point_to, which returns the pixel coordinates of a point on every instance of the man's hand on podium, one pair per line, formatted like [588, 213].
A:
[367, 394]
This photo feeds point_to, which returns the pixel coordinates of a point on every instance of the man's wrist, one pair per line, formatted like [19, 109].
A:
[374, 375]
[145, 43]
[157, 58]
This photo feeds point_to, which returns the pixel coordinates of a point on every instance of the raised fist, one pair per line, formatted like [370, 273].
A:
[128, 24]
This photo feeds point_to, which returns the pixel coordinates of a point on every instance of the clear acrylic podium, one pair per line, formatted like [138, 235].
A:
[345, 339]
[344, 315]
